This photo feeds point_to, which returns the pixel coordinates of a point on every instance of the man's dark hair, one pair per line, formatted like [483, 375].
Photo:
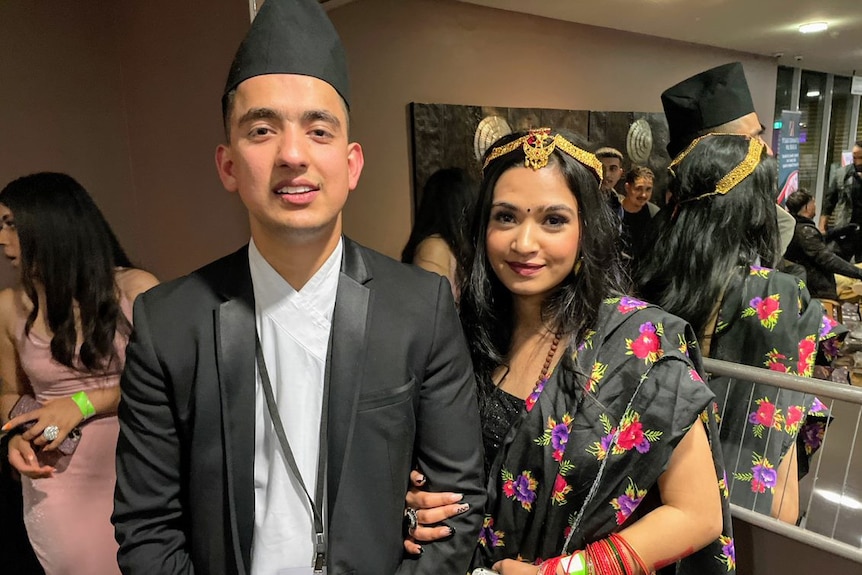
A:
[798, 200]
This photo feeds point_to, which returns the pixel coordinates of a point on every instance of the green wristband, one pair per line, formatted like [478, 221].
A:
[575, 564]
[84, 404]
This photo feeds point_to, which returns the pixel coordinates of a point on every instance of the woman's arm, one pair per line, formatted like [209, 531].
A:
[690, 517]
[133, 282]
[12, 383]
[785, 502]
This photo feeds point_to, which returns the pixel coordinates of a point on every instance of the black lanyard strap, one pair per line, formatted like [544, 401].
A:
[317, 501]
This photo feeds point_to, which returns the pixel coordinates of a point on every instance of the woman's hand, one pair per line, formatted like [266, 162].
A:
[62, 412]
[512, 567]
[23, 458]
[431, 509]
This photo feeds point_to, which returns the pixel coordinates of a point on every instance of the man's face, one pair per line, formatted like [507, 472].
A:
[857, 158]
[638, 193]
[750, 125]
[289, 158]
[612, 172]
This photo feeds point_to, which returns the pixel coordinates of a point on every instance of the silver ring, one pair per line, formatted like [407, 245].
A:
[412, 520]
[51, 433]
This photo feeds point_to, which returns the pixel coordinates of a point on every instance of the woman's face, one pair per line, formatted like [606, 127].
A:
[9, 236]
[534, 231]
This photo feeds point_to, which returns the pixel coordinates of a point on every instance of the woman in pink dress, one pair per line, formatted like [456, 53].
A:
[63, 332]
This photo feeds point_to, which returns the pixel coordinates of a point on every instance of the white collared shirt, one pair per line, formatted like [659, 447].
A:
[294, 328]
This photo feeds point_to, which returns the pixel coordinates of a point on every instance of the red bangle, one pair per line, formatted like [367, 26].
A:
[549, 567]
[620, 540]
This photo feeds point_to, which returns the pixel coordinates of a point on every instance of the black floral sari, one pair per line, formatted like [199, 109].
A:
[583, 457]
[768, 320]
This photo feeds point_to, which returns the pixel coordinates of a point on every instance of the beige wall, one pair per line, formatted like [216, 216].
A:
[175, 58]
[124, 96]
[62, 106]
[442, 51]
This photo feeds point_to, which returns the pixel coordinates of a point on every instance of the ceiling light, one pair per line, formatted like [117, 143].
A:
[813, 27]
[843, 500]
[813, 94]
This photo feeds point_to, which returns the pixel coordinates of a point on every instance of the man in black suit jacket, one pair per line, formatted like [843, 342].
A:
[397, 374]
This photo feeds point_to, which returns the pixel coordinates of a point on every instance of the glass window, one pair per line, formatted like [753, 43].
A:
[783, 92]
[839, 129]
[812, 103]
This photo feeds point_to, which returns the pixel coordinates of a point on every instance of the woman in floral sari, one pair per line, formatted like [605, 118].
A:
[595, 444]
[713, 242]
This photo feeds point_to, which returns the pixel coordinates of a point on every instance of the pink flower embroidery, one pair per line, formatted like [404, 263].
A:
[648, 345]
[766, 309]
[561, 489]
[766, 416]
[807, 353]
[793, 418]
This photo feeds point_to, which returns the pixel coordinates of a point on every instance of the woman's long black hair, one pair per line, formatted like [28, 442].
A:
[487, 310]
[700, 241]
[446, 210]
[69, 249]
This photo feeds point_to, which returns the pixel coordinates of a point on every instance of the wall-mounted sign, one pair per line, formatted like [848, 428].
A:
[788, 154]
[856, 86]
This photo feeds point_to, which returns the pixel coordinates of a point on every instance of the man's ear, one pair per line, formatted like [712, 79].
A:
[224, 165]
[355, 161]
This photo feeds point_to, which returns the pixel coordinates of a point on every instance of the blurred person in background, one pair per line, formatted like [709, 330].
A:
[439, 240]
[63, 333]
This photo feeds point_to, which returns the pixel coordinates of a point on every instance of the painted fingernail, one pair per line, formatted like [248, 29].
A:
[451, 531]
[421, 551]
[456, 497]
[462, 508]
[5, 427]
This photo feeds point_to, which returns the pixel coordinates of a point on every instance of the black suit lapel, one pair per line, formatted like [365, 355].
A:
[345, 367]
[235, 329]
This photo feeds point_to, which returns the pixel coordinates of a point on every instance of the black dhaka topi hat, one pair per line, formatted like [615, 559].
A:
[704, 101]
[291, 37]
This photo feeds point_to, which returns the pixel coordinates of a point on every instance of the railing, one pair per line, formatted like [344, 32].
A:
[821, 535]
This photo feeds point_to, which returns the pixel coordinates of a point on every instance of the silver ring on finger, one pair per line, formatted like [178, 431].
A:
[411, 519]
[51, 433]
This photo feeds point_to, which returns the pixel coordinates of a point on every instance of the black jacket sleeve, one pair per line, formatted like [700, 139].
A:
[811, 243]
[148, 511]
[449, 441]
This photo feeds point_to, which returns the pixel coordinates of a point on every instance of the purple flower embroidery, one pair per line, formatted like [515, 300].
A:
[607, 441]
[488, 537]
[521, 488]
[764, 477]
[524, 489]
[628, 304]
[560, 436]
[817, 406]
[537, 391]
[628, 504]
[729, 551]
[812, 436]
